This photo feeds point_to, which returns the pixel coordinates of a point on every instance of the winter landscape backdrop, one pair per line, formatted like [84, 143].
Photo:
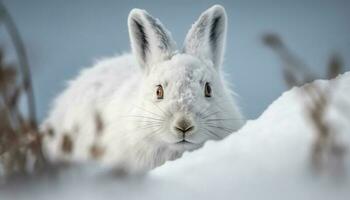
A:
[296, 145]
[62, 37]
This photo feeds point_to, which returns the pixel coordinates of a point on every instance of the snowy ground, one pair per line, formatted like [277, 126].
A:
[269, 158]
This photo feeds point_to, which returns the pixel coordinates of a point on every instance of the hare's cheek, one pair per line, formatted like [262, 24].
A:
[167, 138]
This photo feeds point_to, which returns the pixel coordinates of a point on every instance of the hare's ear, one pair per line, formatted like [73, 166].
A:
[150, 41]
[206, 38]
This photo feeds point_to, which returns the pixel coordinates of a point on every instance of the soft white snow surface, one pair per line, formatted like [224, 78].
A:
[269, 158]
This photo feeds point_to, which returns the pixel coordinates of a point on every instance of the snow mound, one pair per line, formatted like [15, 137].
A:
[269, 158]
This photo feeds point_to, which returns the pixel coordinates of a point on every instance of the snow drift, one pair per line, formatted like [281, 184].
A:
[269, 158]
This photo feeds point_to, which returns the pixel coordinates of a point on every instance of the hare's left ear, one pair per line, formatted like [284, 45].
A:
[206, 38]
[150, 41]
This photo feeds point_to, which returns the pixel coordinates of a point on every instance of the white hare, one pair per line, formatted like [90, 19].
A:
[155, 103]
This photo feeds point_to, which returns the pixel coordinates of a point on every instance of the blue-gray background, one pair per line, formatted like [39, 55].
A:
[62, 37]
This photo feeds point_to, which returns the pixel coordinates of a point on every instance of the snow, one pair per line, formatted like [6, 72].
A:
[268, 158]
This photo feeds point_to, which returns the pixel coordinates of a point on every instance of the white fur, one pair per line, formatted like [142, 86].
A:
[138, 129]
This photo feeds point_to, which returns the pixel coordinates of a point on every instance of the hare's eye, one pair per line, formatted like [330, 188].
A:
[207, 90]
[160, 92]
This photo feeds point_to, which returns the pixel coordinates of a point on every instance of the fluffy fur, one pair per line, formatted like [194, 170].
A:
[139, 130]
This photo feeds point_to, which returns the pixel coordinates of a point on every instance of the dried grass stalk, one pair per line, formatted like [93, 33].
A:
[327, 155]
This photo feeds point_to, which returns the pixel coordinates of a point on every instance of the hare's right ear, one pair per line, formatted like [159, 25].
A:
[150, 41]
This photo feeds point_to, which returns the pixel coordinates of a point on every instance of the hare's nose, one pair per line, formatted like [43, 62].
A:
[183, 126]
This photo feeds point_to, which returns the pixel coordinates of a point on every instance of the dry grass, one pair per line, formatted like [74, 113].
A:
[20, 140]
[327, 155]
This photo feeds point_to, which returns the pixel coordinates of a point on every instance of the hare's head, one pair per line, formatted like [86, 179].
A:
[183, 99]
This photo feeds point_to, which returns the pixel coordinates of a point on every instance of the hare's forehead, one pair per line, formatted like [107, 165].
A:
[182, 70]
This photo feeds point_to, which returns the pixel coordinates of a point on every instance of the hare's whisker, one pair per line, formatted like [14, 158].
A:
[145, 117]
[211, 114]
[212, 133]
[153, 133]
[149, 126]
[222, 128]
[168, 113]
[148, 111]
[222, 119]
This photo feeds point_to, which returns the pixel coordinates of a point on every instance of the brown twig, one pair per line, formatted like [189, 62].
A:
[20, 139]
[23, 61]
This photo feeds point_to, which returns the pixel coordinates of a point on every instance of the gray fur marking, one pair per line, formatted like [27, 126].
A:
[215, 34]
[160, 32]
[141, 38]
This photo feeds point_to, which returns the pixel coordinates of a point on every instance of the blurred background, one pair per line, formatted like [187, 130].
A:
[62, 37]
